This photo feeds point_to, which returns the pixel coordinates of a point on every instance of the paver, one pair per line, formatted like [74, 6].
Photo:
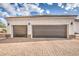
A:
[28, 47]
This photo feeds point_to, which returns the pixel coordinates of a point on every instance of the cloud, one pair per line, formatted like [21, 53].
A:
[37, 4]
[9, 8]
[68, 6]
[35, 8]
[26, 10]
[71, 6]
[59, 4]
[3, 20]
[5, 14]
[65, 12]
[47, 11]
[50, 3]
[23, 11]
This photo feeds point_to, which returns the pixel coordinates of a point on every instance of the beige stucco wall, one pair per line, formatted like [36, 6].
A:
[15, 21]
[76, 27]
[55, 21]
[41, 21]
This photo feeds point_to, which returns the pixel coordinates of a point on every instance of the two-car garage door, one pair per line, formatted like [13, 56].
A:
[49, 31]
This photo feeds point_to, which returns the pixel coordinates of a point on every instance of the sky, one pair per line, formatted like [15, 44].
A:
[31, 9]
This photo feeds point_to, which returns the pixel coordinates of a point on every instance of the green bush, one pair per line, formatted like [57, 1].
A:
[2, 25]
[4, 30]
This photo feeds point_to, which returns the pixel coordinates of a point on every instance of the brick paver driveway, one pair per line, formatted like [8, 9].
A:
[39, 48]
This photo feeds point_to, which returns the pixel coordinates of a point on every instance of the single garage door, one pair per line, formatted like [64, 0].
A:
[49, 31]
[20, 31]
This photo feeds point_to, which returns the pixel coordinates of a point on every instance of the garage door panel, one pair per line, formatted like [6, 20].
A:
[48, 36]
[19, 30]
[49, 31]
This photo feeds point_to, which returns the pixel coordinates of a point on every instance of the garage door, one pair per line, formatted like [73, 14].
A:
[49, 31]
[19, 31]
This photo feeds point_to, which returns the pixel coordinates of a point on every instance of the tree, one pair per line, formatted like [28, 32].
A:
[2, 25]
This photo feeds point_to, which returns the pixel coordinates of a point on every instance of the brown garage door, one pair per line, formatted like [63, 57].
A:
[49, 31]
[20, 31]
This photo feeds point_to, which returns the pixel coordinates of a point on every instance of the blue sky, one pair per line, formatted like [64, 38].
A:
[26, 9]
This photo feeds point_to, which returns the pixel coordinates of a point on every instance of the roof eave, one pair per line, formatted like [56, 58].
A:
[43, 16]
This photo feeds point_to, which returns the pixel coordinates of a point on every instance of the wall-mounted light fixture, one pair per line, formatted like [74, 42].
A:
[8, 24]
[28, 23]
[71, 23]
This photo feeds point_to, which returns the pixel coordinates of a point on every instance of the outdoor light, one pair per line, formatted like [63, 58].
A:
[8, 24]
[29, 23]
[71, 23]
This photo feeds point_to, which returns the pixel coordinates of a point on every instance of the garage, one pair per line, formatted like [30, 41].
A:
[20, 31]
[49, 31]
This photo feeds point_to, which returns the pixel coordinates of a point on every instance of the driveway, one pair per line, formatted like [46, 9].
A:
[29, 47]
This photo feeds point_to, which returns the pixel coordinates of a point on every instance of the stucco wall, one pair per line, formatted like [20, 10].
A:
[17, 21]
[76, 27]
[42, 21]
[55, 21]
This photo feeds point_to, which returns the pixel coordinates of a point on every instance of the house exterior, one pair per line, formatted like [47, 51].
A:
[42, 26]
[77, 25]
